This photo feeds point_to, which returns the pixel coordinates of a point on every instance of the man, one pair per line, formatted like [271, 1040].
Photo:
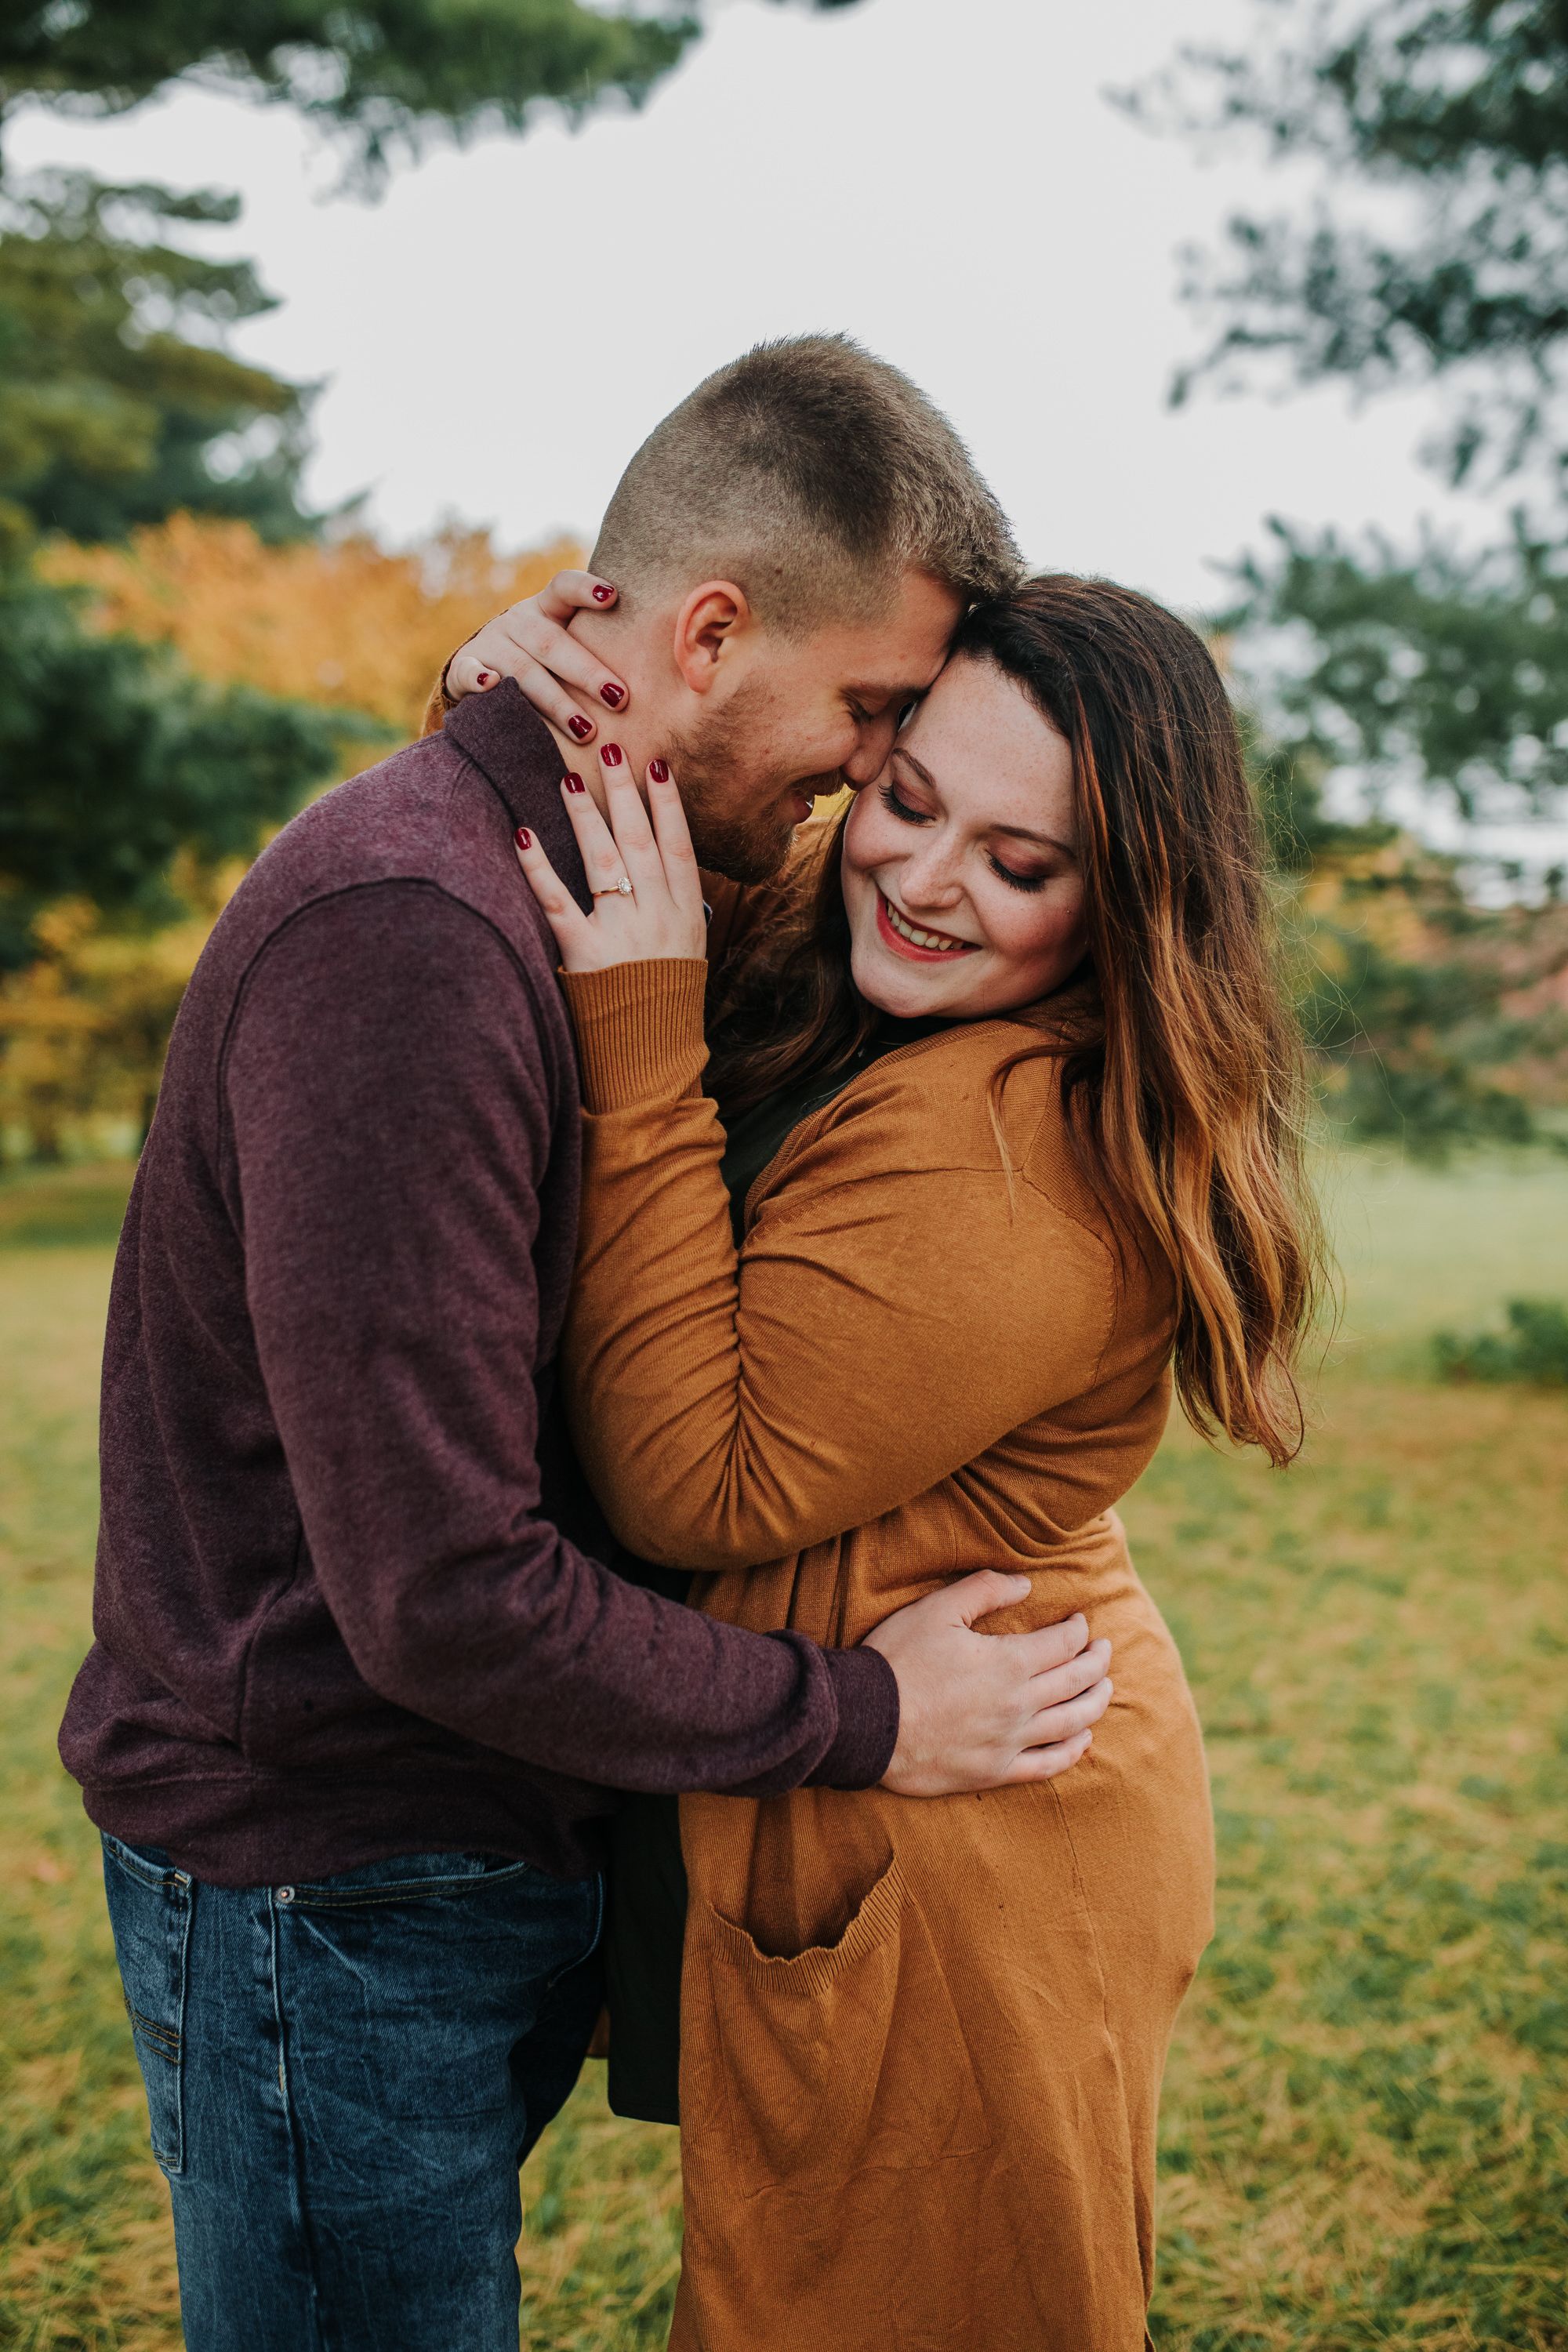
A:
[362, 1681]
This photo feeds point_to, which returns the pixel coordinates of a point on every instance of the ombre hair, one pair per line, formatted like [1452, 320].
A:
[1182, 1077]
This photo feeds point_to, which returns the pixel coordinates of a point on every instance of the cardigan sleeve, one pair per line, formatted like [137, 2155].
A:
[888, 1317]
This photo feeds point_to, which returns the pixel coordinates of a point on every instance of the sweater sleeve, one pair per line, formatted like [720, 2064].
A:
[393, 1102]
[883, 1325]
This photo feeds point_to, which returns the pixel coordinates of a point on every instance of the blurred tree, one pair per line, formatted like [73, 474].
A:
[115, 757]
[1428, 1019]
[85, 1027]
[383, 77]
[1451, 669]
[119, 404]
[119, 407]
[346, 624]
[1460, 110]
[110, 413]
[1436, 251]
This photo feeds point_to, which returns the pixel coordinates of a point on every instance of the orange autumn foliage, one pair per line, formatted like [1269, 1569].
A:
[84, 1027]
[346, 624]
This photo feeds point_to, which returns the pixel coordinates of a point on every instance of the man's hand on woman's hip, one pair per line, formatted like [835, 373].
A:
[983, 1710]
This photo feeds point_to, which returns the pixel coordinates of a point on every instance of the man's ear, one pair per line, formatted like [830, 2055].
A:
[712, 619]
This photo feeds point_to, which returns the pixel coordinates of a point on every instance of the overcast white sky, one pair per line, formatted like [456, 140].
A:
[942, 178]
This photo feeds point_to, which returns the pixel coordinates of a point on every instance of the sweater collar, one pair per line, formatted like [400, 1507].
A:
[517, 755]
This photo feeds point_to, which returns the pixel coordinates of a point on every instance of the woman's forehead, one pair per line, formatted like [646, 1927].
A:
[978, 733]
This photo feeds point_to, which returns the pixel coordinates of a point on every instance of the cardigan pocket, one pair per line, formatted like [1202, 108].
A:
[847, 2057]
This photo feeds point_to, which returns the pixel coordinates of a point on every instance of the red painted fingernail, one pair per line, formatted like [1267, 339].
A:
[522, 837]
[486, 678]
[658, 771]
[614, 694]
[602, 594]
[580, 727]
[611, 755]
[575, 784]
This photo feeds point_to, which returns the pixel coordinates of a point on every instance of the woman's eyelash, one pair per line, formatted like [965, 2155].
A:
[1018, 881]
[895, 807]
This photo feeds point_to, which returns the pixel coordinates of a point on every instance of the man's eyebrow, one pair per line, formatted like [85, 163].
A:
[1012, 832]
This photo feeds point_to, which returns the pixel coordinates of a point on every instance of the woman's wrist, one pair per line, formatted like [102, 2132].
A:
[640, 1030]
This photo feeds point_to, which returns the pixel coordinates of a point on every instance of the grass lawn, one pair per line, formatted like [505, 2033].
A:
[1365, 2132]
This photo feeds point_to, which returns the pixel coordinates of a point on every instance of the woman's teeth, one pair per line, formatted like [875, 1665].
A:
[941, 940]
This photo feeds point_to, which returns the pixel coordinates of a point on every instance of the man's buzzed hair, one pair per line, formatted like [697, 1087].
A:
[813, 476]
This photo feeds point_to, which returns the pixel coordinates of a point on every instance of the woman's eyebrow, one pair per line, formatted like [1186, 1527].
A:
[1012, 832]
[909, 760]
[1045, 840]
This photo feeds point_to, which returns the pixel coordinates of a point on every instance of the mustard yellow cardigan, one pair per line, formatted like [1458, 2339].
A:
[921, 2041]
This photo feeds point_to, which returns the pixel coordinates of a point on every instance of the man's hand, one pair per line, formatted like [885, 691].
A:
[983, 1710]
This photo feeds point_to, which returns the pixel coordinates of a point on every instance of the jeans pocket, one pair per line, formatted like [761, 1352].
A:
[846, 2057]
[150, 1913]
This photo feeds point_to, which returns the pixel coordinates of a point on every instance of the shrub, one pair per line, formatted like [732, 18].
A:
[1534, 1348]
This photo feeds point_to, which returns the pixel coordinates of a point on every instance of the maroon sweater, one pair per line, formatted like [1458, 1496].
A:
[340, 1611]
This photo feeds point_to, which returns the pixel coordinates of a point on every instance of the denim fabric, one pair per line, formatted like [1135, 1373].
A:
[342, 2079]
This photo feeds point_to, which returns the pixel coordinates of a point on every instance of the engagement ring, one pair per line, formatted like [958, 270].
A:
[621, 889]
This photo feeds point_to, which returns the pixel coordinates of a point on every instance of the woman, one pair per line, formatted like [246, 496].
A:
[1003, 1108]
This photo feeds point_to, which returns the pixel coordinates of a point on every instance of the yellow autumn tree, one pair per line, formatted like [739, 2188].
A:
[349, 623]
[84, 1029]
[85, 1026]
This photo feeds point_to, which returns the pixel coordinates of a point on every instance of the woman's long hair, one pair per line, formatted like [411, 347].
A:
[1183, 1079]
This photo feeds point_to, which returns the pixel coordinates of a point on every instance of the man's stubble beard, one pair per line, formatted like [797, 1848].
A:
[725, 839]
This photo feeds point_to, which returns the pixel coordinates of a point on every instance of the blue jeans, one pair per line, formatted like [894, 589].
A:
[342, 2079]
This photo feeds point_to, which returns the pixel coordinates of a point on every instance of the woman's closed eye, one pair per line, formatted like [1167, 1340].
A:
[1015, 881]
[892, 799]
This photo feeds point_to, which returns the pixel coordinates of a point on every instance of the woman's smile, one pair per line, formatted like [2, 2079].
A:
[918, 941]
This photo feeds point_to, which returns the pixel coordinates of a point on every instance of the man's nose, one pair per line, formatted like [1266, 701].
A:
[873, 741]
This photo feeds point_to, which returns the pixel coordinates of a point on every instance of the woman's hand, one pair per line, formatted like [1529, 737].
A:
[648, 894]
[527, 642]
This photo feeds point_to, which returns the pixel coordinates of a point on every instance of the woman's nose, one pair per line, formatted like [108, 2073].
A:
[928, 880]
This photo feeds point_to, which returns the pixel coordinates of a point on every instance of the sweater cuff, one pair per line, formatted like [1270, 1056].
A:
[866, 1690]
[640, 1030]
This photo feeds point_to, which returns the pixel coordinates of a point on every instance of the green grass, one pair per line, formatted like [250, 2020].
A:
[68, 1207]
[1422, 1248]
[1365, 2128]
